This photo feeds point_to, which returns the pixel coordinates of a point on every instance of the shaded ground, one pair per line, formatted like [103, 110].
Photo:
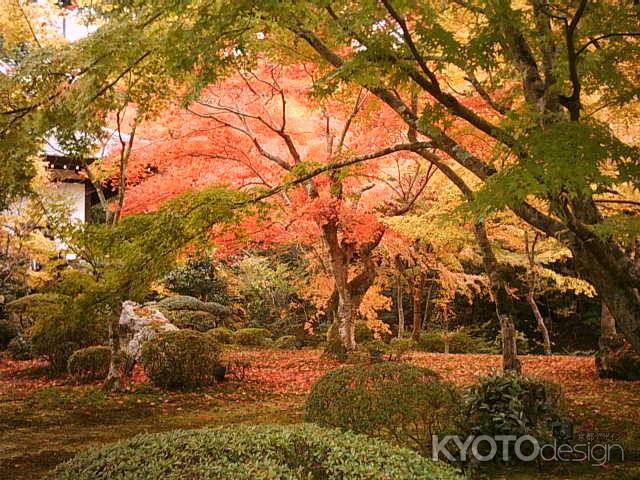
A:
[45, 421]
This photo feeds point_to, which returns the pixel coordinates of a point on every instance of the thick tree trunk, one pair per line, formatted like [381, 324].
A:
[115, 378]
[510, 362]
[610, 345]
[347, 321]
[416, 302]
[546, 342]
[607, 322]
[622, 299]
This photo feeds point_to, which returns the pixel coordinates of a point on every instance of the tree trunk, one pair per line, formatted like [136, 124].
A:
[622, 299]
[607, 322]
[400, 307]
[416, 302]
[610, 345]
[115, 378]
[541, 325]
[500, 296]
[347, 322]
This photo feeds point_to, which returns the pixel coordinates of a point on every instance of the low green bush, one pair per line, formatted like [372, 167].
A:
[181, 359]
[8, 332]
[252, 337]
[295, 452]
[286, 342]
[460, 341]
[513, 405]
[90, 362]
[20, 348]
[399, 347]
[221, 335]
[194, 320]
[64, 331]
[29, 309]
[185, 302]
[362, 332]
[395, 401]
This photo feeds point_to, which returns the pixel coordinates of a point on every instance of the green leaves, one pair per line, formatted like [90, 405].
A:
[563, 159]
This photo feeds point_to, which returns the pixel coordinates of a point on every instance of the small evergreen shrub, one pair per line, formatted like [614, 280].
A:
[286, 342]
[20, 348]
[362, 332]
[395, 401]
[194, 320]
[200, 278]
[90, 362]
[252, 337]
[294, 452]
[512, 405]
[181, 359]
[29, 309]
[8, 332]
[61, 333]
[399, 347]
[460, 341]
[185, 302]
[221, 335]
[377, 350]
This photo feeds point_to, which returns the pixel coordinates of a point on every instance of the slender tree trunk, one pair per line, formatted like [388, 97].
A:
[416, 303]
[510, 362]
[541, 325]
[115, 378]
[400, 307]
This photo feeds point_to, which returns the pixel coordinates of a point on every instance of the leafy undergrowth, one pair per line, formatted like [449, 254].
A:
[45, 420]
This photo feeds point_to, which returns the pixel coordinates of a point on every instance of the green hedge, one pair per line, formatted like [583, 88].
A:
[252, 337]
[181, 359]
[90, 362]
[192, 319]
[286, 342]
[460, 341]
[221, 334]
[398, 402]
[252, 452]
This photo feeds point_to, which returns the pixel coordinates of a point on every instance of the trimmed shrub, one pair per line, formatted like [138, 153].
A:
[90, 362]
[252, 337]
[61, 333]
[460, 341]
[185, 302]
[221, 335]
[286, 342]
[399, 347]
[20, 348]
[362, 332]
[181, 359]
[398, 402]
[513, 405]
[29, 309]
[194, 320]
[7, 333]
[252, 452]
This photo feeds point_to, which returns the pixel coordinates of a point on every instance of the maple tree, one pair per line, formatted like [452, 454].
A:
[260, 128]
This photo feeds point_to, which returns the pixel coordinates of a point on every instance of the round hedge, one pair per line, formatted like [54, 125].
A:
[396, 401]
[252, 452]
[252, 337]
[90, 362]
[181, 359]
[221, 334]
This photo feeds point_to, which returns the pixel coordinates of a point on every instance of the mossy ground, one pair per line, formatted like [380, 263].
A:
[44, 420]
